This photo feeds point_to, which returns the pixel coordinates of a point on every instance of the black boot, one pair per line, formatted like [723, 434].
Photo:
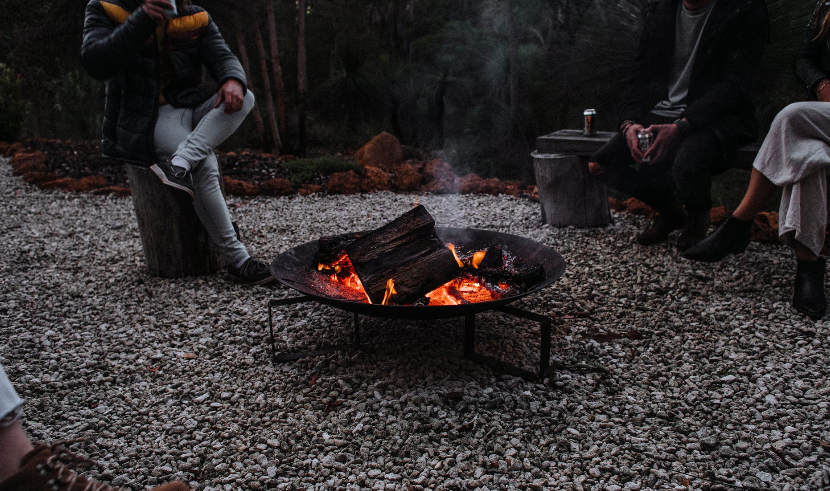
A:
[808, 293]
[732, 237]
[697, 224]
[667, 220]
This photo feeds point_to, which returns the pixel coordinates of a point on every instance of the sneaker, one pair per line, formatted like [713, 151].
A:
[252, 272]
[46, 469]
[174, 176]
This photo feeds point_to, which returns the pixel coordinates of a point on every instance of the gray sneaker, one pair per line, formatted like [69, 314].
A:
[252, 272]
[174, 176]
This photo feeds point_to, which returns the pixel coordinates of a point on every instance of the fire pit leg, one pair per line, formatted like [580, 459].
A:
[470, 336]
[545, 325]
[293, 356]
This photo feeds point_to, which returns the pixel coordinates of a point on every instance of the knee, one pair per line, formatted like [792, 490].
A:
[248, 101]
[797, 111]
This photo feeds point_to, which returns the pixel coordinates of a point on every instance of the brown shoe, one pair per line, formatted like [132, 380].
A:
[666, 221]
[697, 224]
[45, 469]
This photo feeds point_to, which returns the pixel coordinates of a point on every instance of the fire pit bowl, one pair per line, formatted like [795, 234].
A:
[296, 269]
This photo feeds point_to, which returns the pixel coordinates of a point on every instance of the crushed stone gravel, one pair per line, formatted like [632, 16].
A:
[666, 374]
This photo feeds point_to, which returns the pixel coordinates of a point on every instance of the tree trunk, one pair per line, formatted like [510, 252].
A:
[513, 40]
[302, 79]
[246, 65]
[269, 99]
[276, 69]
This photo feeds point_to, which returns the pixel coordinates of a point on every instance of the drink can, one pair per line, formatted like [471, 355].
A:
[590, 122]
[644, 140]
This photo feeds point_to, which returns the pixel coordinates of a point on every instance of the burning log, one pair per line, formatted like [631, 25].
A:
[524, 278]
[329, 249]
[407, 250]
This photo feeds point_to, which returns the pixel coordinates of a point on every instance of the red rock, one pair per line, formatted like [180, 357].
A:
[344, 183]
[718, 215]
[39, 178]
[375, 179]
[637, 207]
[309, 189]
[277, 187]
[469, 184]
[407, 178]
[765, 227]
[62, 183]
[240, 188]
[116, 190]
[439, 187]
[383, 151]
[29, 162]
[438, 170]
[492, 186]
[533, 191]
[88, 183]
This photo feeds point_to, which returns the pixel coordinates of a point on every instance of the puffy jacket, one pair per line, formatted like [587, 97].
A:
[719, 98]
[812, 62]
[120, 46]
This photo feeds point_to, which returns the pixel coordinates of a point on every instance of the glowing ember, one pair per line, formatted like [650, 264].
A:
[477, 258]
[457, 259]
[390, 290]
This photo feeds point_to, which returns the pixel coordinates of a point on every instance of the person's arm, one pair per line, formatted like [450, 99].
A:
[636, 86]
[221, 63]
[109, 46]
[807, 61]
[744, 49]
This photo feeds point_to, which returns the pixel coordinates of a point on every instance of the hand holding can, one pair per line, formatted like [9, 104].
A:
[644, 140]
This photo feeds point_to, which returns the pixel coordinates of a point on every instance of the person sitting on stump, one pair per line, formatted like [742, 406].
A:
[794, 156]
[25, 466]
[690, 87]
[151, 54]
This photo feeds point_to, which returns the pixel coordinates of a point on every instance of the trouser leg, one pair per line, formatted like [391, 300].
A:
[174, 128]
[692, 170]
[211, 126]
[651, 184]
[212, 209]
[10, 402]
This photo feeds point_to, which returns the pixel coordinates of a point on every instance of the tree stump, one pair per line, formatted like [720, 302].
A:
[568, 193]
[174, 241]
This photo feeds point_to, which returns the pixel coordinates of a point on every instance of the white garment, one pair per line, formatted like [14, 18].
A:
[10, 402]
[795, 155]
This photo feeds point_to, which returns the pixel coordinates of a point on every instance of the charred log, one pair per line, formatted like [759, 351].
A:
[407, 250]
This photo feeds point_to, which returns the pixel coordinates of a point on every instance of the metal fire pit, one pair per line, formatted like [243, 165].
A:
[295, 269]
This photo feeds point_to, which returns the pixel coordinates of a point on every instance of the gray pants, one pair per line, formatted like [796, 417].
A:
[795, 155]
[10, 402]
[193, 133]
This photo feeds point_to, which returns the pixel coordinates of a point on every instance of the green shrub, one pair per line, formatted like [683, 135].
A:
[12, 105]
[304, 170]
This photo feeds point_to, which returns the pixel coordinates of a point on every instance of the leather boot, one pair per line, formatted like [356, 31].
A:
[732, 237]
[46, 469]
[697, 224]
[667, 220]
[808, 293]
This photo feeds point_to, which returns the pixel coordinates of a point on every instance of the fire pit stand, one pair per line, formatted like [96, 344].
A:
[295, 269]
[469, 339]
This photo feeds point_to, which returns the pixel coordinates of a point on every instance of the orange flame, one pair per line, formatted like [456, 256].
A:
[455, 254]
[477, 258]
[390, 290]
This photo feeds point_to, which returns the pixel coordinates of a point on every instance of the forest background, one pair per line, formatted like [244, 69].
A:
[472, 81]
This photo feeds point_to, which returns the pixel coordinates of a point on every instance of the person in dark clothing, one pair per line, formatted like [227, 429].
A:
[151, 54]
[795, 157]
[690, 86]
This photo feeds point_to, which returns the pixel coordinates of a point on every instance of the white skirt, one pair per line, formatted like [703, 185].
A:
[795, 156]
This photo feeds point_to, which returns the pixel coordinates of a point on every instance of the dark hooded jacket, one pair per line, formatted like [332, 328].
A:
[812, 62]
[719, 98]
[120, 46]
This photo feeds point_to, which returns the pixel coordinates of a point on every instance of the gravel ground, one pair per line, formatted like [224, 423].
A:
[667, 374]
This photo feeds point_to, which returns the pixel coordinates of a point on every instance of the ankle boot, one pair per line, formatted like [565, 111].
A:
[667, 220]
[808, 293]
[732, 237]
[697, 224]
[46, 469]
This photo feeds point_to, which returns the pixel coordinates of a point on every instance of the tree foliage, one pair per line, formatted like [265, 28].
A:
[436, 73]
